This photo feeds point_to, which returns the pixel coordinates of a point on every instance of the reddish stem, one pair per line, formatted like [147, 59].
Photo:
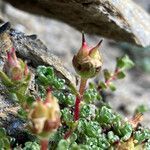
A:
[67, 134]
[44, 144]
[79, 98]
[113, 77]
[77, 106]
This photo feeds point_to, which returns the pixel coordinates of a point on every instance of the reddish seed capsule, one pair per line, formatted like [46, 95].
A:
[88, 61]
[44, 116]
[15, 68]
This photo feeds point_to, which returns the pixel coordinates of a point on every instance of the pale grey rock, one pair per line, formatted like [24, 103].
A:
[121, 20]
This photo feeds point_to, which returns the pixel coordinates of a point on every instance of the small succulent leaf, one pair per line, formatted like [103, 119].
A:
[50, 71]
[128, 62]
[73, 138]
[120, 63]
[21, 88]
[142, 109]
[22, 113]
[66, 116]
[43, 80]
[1, 144]
[31, 146]
[121, 75]
[2, 132]
[22, 64]
[112, 137]
[5, 79]
[124, 63]
[28, 78]
[112, 87]
[21, 97]
[107, 74]
[6, 143]
[63, 145]
[126, 131]
[41, 70]
[102, 85]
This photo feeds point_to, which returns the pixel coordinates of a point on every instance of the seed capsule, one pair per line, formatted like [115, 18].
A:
[88, 61]
[44, 116]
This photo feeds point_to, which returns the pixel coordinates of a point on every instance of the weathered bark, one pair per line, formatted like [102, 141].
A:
[121, 20]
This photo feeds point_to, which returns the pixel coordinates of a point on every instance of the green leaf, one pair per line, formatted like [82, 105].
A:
[142, 109]
[105, 116]
[83, 147]
[2, 133]
[63, 145]
[142, 135]
[120, 63]
[81, 125]
[126, 131]
[58, 83]
[43, 80]
[31, 146]
[22, 113]
[92, 142]
[107, 74]
[22, 64]
[90, 95]
[28, 78]
[5, 79]
[1, 144]
[30, 100]
[124, 63]
[46, 77]
[112, 87]
[66, 115]
[87, 111]
[92, 129]
[73, 138]
[49, 71]
[102, 85]
[6, 143]
[112, 138]
[41, 72]
[22, 88]
[121, 75]
[20, 97]
[70, 99]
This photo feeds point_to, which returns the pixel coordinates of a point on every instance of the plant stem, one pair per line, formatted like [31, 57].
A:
[78, 99]
[67, 134]
[76, 110]
[82, 86]
[112, 78]
[44, 144]
[77, 106]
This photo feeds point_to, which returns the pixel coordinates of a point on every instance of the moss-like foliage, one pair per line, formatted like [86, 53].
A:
[98, 126]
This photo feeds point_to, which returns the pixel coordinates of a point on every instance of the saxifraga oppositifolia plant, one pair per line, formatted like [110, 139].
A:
[63, 119]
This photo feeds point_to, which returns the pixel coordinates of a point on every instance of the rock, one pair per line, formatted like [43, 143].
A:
[121, 20]
[36, 53]
[29, 47]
